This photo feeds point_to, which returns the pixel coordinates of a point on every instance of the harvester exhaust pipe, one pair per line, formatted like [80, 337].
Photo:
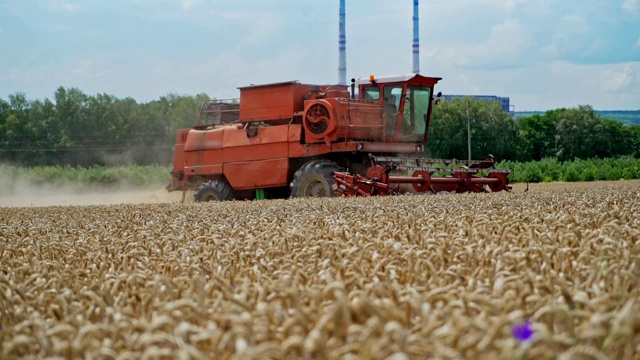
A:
[416, 38]
[342, 47]
[353, 88]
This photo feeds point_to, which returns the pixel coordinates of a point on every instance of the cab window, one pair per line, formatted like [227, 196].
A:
[392, 96]
[371, 93]
[416, 110]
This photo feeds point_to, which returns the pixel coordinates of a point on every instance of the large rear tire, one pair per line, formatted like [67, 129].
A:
[314, 179]
[214, 190]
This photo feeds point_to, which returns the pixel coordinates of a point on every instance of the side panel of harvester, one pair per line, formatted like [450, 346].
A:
[272, 102]
[203, 152]
[247, 162]
[256, 161]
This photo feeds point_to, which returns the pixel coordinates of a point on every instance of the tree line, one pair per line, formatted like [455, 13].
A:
[78, 129]
[563, 134]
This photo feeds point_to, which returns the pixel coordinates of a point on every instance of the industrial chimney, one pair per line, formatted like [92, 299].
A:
[416, 38]
[342, 48]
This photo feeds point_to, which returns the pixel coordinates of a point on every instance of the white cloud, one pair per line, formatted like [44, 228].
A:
[512, 4]
[505, 46]
[13, 75]
[618, 79]
[87, 68]
[630, 6]
[187, 5]
[550, 85]
[607, 86]
[65, 5]
[506, 38]
[566, 33]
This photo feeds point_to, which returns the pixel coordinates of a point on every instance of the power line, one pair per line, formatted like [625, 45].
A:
[90, 148]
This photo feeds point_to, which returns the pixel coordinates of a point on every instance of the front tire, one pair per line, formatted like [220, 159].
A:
[214, 190]
[314, 179]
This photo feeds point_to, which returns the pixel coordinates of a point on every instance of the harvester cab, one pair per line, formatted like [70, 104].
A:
[406, 104]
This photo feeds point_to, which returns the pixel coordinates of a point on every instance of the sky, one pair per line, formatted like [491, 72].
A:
[542, 54]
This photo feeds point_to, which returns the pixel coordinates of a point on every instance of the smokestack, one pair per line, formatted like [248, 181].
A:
[342, 48]
[416, 39]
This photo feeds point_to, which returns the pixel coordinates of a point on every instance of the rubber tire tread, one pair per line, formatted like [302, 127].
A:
[322, 167]
[220, 189]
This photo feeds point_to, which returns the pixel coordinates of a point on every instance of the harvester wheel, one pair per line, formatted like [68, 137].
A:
[314, 179]
[214, 190]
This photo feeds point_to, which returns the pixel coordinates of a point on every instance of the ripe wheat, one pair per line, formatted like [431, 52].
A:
[397, 277]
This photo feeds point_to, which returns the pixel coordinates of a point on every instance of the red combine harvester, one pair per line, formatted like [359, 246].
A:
[291, 139]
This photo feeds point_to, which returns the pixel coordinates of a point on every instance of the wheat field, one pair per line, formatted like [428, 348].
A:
[406, 277]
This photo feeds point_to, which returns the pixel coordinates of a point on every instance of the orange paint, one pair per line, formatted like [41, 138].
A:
[257, 174]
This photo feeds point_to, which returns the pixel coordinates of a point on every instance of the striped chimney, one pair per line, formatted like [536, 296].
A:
[416, 39]
[342, 48]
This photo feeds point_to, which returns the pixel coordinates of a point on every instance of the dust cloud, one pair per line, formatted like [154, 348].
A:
[21, 192]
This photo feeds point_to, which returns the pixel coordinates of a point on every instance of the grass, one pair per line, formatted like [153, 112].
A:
[547, 170]
[551, 169]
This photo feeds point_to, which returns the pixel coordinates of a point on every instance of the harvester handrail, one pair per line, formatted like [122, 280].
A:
[419, 161]
[373, 107]
[450, 169]
[367, 126]
[204, 107]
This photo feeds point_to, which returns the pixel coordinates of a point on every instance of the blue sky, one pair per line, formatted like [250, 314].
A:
[543, 54]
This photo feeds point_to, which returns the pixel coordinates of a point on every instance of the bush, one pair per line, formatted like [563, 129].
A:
[550, 169]
[614, 174]
[533, 173]
[589, 174]
[571, 174]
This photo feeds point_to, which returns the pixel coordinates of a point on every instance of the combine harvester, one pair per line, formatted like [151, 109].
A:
[299, 140]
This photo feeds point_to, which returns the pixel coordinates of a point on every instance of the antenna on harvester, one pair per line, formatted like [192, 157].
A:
[342, 47]
[416, 38]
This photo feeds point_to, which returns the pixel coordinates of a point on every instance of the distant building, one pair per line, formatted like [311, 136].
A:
[504, 101]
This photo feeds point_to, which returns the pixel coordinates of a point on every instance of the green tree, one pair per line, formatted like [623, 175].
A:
[19, 131]
[537, 136]
[579, 134]
[617, 139]
[492, 130]
[634, 131]
[43, 127]
[447, 131]
[80, 129]
[5, 111]
[76, 130]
